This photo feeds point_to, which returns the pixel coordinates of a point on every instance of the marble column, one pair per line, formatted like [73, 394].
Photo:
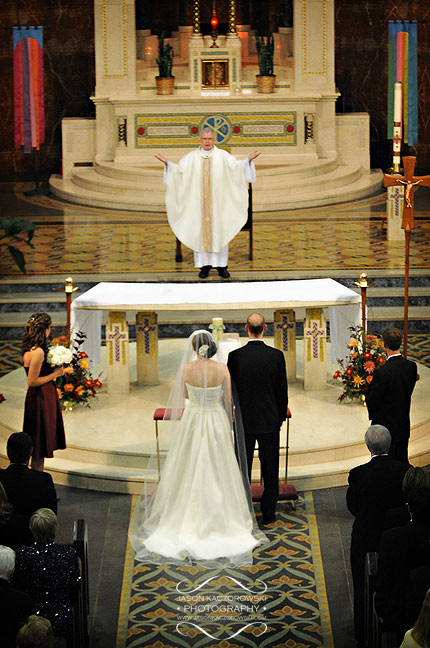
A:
[284, 330]
[314, 66]
[115, 58]
[147, 348]
[117, 356]
[315, 339]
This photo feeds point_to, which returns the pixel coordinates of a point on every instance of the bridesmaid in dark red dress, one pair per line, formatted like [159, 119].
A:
[43, 419]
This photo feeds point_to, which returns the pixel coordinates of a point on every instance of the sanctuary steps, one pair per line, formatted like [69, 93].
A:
[320, 456]
[139, 187]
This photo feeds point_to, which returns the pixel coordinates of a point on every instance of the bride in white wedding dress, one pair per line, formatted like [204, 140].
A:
[201, 509]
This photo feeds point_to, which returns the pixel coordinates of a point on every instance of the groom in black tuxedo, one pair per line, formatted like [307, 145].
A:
[388, 398]
[259, 375]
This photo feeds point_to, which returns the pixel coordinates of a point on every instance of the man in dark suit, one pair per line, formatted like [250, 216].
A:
[26, 489]
[374, 488]
[388, 398]
[259, 376]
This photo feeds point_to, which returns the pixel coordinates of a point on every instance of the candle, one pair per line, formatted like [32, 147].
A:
[217, 327]
[397, 102]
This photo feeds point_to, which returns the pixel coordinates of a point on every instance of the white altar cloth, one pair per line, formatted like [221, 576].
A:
[345, 307]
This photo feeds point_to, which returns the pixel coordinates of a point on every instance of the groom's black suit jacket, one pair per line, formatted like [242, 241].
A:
[259, 375]
[388, 398]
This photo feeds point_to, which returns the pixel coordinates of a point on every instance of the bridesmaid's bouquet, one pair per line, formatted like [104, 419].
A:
[58, 354]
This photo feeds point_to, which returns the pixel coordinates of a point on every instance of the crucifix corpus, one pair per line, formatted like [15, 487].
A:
[410, 183]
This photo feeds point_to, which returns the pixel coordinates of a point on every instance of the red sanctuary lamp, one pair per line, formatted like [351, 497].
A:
[214, 25]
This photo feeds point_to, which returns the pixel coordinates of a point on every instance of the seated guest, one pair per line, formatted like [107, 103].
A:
[36, 633]
[49, 572]
[419, 635]
[14, 529]
[415, 477]
[15, 606]
[402, 550]
[27, 490]
[374, 487]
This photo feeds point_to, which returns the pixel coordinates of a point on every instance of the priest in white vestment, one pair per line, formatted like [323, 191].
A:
[207, 201]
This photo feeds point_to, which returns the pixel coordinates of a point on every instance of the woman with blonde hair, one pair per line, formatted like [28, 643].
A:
[43, 420]
[419, 635]
[36, 633]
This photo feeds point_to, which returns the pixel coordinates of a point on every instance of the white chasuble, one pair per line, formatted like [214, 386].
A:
[207, 198]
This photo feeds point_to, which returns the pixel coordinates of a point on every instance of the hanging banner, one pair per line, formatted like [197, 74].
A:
[28, 87]
[402, 67]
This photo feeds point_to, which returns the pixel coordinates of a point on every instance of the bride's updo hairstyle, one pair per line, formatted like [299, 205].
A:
[35, 332]
[204, 345]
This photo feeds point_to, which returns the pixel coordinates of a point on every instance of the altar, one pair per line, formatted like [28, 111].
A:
[148, 299]
[109, 161]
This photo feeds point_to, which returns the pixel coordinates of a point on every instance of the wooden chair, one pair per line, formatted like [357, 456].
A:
[246, 228]
[287, 492]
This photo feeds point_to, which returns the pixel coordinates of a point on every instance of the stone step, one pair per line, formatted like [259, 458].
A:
[153, 169]
[130, 479]
[90, 188]
[148, 189]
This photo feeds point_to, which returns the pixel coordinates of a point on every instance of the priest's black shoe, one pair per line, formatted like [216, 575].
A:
[223, 272]
[204, 272]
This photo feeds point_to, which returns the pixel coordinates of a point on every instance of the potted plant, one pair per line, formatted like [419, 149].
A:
[12, 228]
[265, 50]
[165, 81]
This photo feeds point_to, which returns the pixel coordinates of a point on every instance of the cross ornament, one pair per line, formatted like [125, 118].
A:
[284, 326]
[315, 333]
[116, 337]
[409, 181]
[146, 328]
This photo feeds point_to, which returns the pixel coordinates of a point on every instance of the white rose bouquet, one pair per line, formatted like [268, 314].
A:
[59, 355]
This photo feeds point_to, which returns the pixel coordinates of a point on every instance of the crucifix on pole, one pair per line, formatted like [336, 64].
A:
[410, 182]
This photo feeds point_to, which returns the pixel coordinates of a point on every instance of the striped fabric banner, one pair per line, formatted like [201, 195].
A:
[28, 87]
[402, 66]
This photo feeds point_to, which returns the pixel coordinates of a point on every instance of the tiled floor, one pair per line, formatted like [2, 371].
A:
[75, 239]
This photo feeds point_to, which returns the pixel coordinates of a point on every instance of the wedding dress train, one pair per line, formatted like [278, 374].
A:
[200, 510]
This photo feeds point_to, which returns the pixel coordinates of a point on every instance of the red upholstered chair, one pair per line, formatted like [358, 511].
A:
[162, 414]
[287, 492]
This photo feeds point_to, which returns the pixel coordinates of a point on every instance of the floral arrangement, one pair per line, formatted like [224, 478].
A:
[357, 369]
[77, 385]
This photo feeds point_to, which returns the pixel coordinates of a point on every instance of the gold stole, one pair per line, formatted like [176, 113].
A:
[207, 204]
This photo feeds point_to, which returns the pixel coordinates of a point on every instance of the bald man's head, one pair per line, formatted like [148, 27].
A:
[255, 325]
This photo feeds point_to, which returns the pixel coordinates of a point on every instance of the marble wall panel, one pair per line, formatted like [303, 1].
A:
[361, 68]
[68, 68]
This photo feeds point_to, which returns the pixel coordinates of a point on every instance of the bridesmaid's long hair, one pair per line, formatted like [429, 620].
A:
[35, 332]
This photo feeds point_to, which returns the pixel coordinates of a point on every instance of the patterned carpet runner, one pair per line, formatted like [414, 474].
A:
[280, 601]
